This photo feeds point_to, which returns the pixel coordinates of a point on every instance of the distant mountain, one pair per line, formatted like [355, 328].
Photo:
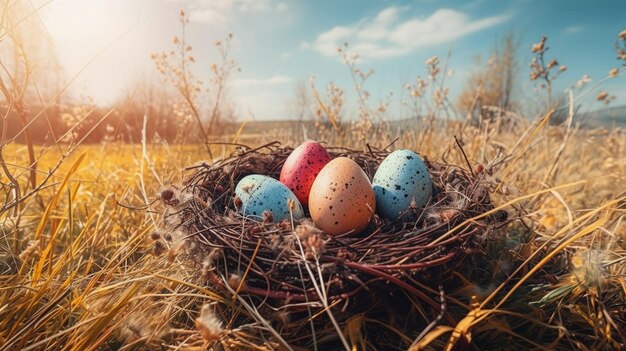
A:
[606, 117]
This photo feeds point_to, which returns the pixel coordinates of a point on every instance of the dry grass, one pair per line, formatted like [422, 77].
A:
[78, 270]
[83, 276]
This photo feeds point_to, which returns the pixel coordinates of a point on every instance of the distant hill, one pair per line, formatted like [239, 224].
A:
[603, 118]
[607, 117]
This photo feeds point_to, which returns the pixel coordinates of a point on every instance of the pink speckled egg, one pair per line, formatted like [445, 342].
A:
[301, 168]
[342, 200]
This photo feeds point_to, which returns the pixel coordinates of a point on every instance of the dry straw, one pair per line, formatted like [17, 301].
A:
[311, 286]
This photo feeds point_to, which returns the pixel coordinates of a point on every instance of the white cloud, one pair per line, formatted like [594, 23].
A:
[573, 29]
[379, 27]
[251, 82]
[387, 36]
[328, 42]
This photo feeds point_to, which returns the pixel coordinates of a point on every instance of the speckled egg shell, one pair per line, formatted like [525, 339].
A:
[302, 167]
[259, 193]
[401, 178]
[342, 200]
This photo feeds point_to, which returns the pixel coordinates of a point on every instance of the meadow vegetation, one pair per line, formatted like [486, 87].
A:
[79, 271]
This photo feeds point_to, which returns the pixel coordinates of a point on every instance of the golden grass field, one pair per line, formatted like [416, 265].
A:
[82, 275]
[85, 190]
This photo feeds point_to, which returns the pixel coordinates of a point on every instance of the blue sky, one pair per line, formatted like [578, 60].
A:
[279, 43]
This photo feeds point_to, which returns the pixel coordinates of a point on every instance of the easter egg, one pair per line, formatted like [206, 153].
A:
[259, 193]
[301, 168]
[341, 199]
[402, 178]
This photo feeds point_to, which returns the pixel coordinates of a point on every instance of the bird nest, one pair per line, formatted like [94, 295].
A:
[303, 286]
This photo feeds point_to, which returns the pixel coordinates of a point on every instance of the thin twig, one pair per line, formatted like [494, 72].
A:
[469, 165]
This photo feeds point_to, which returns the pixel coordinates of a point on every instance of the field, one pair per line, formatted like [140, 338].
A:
[119, 224]
[85, 278]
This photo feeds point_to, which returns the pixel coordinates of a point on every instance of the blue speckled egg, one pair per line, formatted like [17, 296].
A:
[401, 178]
[259, 193]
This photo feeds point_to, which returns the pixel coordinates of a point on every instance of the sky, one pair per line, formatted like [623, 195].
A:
[107, 44]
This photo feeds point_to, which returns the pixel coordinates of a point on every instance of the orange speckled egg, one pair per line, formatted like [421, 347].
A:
[342, 199]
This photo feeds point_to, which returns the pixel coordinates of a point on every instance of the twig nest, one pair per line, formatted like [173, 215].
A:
[282, 268]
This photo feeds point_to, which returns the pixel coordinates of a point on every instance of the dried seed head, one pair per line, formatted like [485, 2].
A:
[553, 63]
[602, 96]
[282, 316]
[291, 204]
[479, 168]
[170, 196]
[167, 195]
[344, 254]
[234, 281]
[622, 34]
[276, 242]
[284, 225]
[158, 248]
[539, 47]
[155, 235]
[311, 238]
[255, 230]
[449, 214]
[315, 245]
[442, 216]
[432, 60]
[247, 188]
[268, 217]
[208, 325]
[584, 80]
[306, 229]
[613, 73]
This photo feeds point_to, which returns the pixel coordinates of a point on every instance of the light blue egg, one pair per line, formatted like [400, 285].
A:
[259, 193]
[401, 178]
